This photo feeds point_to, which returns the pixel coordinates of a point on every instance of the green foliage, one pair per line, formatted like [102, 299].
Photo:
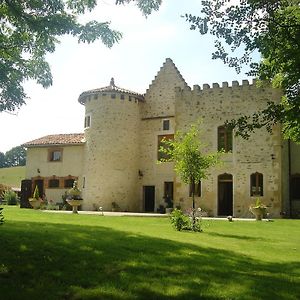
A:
[30, 29]
[15, 157]
[146, 6]
[273, 29]
[2, 160]
[187, 153]
[180, 221]
[10, 197]
[1, 216]
[259, 204]
[36, 194]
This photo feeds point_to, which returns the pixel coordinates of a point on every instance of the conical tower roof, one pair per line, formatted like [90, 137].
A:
[111, 88]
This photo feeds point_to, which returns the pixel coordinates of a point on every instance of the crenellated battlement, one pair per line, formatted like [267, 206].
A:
[225, 85]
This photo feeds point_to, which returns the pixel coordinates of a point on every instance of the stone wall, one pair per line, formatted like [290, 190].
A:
[111, 152]
[261, 153]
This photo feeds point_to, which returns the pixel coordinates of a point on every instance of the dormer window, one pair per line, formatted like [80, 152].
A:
[166, 125]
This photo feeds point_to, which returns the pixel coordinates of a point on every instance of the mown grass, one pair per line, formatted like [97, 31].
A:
[12, 176]
[65, 256]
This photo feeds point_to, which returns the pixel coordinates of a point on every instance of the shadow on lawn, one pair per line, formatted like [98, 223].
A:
[235, 236]
[58, 261]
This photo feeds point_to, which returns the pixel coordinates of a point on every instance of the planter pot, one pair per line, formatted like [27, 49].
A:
[169, 210]
[35, 203]
[75, 203]
[259, 212]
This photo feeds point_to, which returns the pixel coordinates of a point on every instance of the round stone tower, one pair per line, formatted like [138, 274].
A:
[111, 157]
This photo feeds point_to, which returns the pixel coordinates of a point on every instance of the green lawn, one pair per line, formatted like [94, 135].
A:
[65, 256]
[12, 176]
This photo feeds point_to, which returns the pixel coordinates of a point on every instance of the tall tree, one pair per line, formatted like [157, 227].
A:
[15, 157]
[191, 162]
[273, 28]
[2, 160]
[30, 28]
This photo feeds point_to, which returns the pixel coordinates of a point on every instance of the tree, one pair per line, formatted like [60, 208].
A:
[191, 163]
[30, 28]
[2, 160]
[15, 157]
[273, 28]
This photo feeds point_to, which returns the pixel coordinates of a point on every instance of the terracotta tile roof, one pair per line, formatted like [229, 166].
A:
[57, 139]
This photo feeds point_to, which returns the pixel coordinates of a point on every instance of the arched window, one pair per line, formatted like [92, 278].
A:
[224, 139]
[256, 184]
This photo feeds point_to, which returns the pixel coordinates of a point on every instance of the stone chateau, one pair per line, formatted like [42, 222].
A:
[115, 159]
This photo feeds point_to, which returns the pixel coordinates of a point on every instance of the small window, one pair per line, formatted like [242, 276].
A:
[68, 183]
[224, 139]
[122, 97]
[55, 155]
[113, 96]
[166, 124]
[256, 184]
[160, 144]
[197, 190]
[87, 121]
[129, 98]
[53, 183]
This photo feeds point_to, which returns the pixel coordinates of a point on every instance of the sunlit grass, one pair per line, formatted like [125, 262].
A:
[12, 176]
[65, 256]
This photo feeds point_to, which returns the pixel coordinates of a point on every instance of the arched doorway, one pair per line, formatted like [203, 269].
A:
[225, 195]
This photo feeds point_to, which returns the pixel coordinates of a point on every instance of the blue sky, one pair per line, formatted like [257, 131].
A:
[133, 62]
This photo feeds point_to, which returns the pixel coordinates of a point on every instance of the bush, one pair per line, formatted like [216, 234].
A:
[178, 220]
[10, 197]
[1, 216]
[182, 222]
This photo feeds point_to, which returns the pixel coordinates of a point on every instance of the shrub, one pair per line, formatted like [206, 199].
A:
[178, 220]
[1, 216]
[10, 197]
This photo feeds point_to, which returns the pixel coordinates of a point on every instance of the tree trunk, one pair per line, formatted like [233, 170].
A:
[193, 200]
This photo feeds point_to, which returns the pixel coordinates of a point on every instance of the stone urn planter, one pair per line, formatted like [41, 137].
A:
[74, 203]
[35, 203]
[74, 197]
[259, 210]
[169, 210]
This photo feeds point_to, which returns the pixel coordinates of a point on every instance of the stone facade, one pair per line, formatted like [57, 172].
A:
[116, 163]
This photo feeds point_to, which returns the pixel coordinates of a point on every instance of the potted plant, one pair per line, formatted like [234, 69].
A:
[169, 204]
[74, 197]
[259, 210]
[115, 206]
[35, 201]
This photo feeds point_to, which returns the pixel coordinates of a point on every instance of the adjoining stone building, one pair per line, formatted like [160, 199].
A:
[115, 159]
